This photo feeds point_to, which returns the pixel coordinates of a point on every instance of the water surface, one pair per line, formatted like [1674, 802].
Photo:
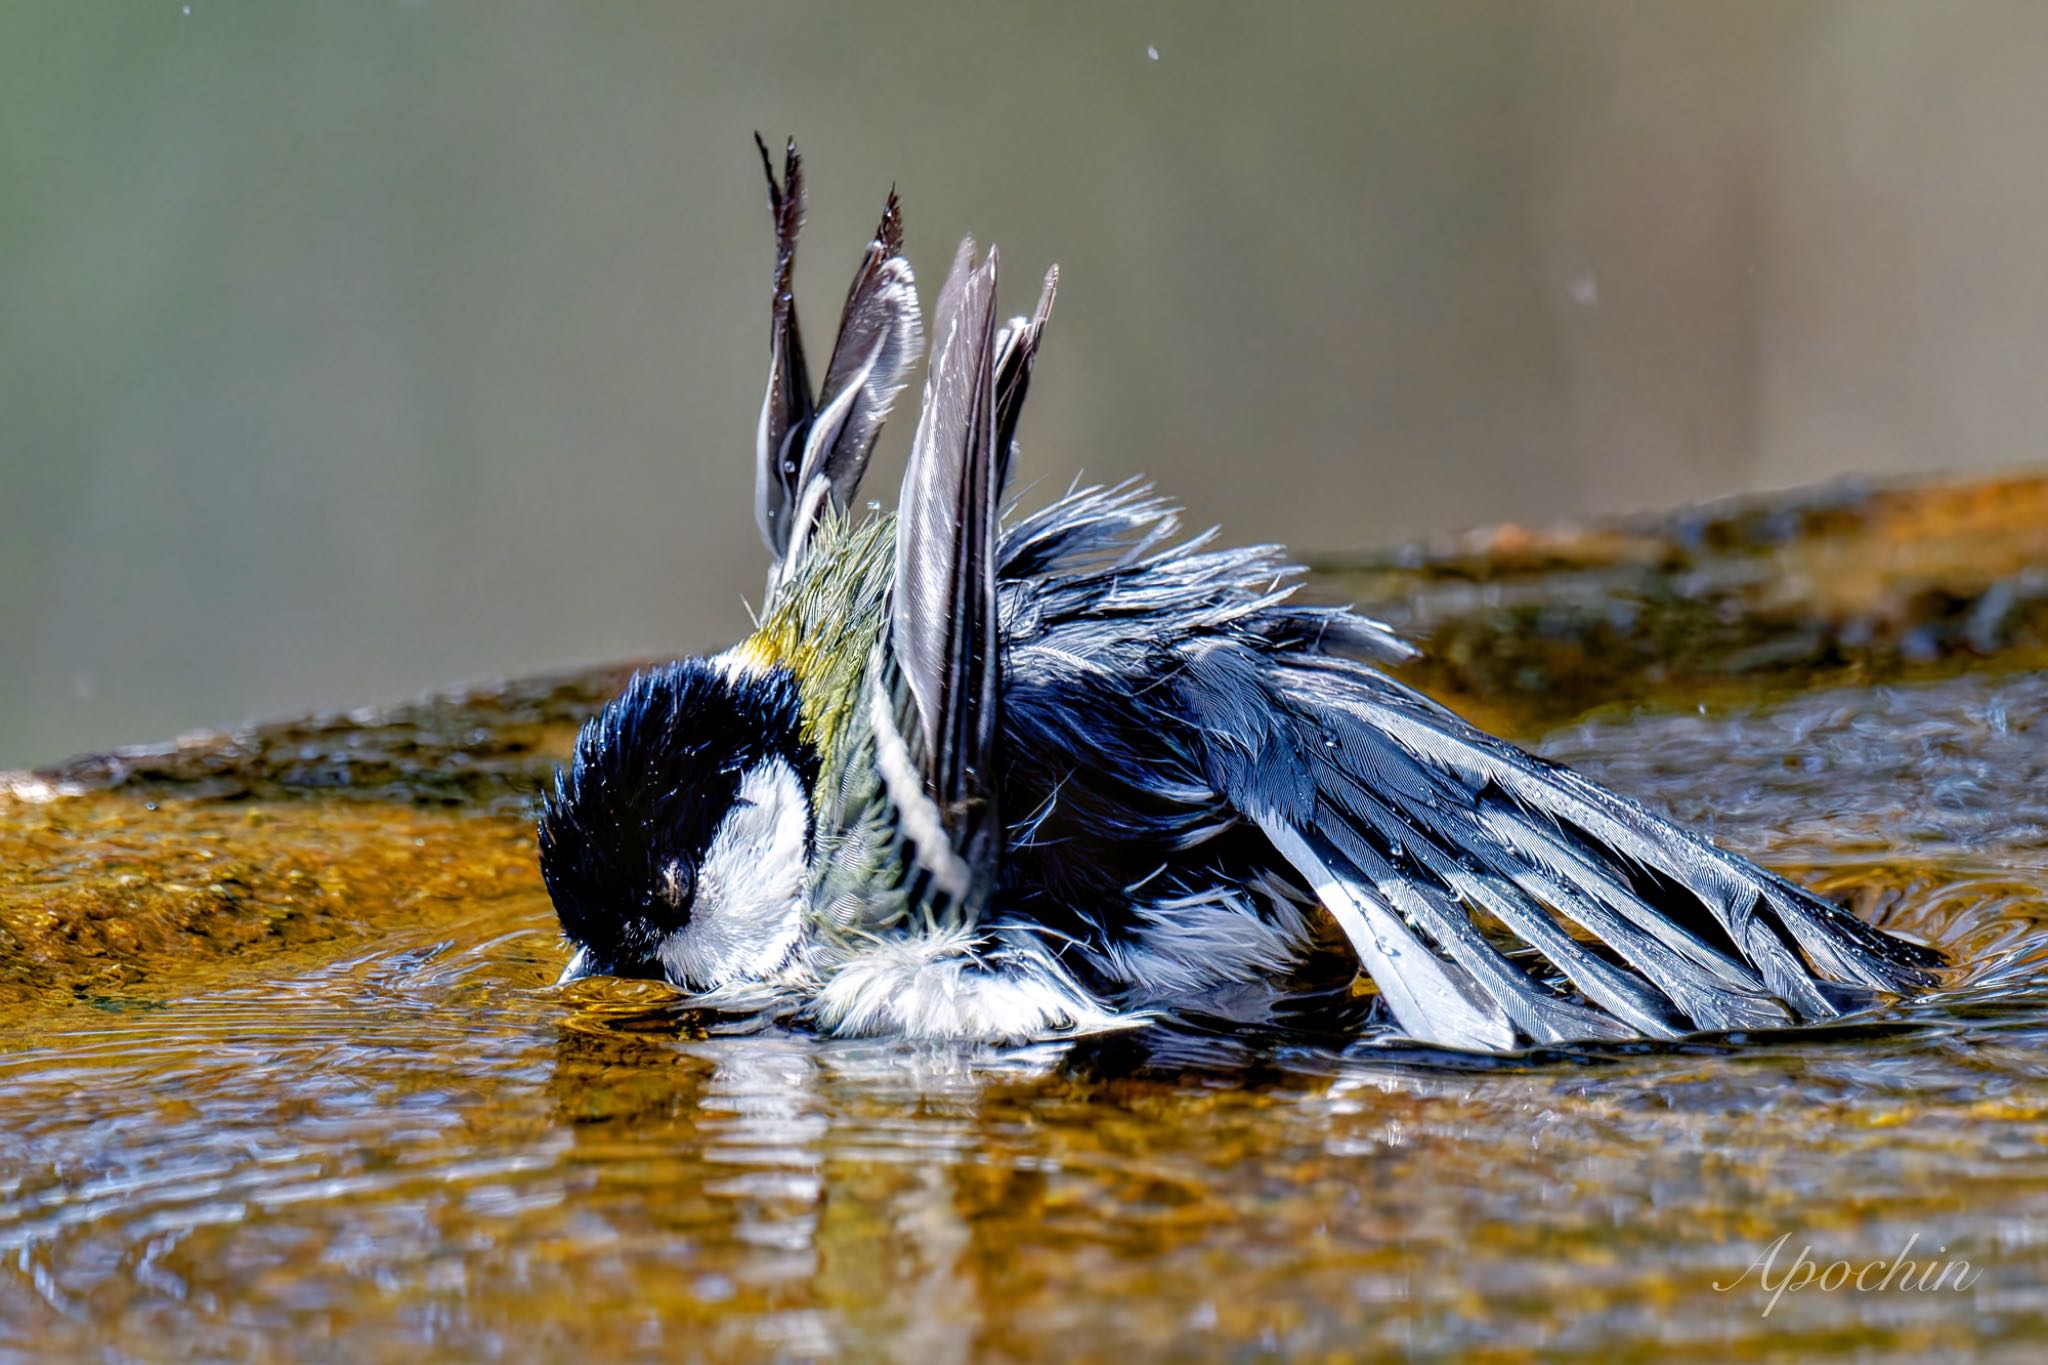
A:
[356, 1122]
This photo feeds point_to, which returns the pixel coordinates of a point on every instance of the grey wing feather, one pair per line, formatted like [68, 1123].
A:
[1016, 354]
[879, 338]
[942, 633]
[787, 407]
[1410, 825]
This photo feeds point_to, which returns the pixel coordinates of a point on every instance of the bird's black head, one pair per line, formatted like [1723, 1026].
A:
[677, 843]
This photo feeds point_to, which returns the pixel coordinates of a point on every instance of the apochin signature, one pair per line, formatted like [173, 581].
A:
[1866, 1277]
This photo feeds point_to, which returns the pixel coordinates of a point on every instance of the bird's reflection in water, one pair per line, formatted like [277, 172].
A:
[867, 1196]
[817, 1182]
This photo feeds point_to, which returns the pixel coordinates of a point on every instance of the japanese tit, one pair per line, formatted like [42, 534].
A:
[1008, 779]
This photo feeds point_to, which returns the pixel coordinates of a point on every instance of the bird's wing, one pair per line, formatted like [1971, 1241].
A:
[810, 455]
[1498, 900]
[942, 638]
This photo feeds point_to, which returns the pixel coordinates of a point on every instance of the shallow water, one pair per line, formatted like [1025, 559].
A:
[362, 1125]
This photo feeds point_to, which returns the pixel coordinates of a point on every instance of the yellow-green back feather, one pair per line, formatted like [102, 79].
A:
[824, 621]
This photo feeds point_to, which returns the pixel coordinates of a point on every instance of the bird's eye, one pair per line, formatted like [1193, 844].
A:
[678, 883]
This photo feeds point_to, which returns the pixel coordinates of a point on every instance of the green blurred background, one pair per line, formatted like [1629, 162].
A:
[351, 349]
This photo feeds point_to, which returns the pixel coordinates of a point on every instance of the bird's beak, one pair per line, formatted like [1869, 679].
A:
[578, 968]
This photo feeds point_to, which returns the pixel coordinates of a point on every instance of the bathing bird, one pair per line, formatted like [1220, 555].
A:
[1005, 776]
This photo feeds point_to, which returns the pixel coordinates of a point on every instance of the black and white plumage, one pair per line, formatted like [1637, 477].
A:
[1009, 782]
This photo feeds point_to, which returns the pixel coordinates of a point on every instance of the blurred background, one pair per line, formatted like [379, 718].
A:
[351, 350]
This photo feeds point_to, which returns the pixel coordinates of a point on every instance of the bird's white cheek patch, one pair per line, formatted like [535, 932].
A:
[751, 889]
